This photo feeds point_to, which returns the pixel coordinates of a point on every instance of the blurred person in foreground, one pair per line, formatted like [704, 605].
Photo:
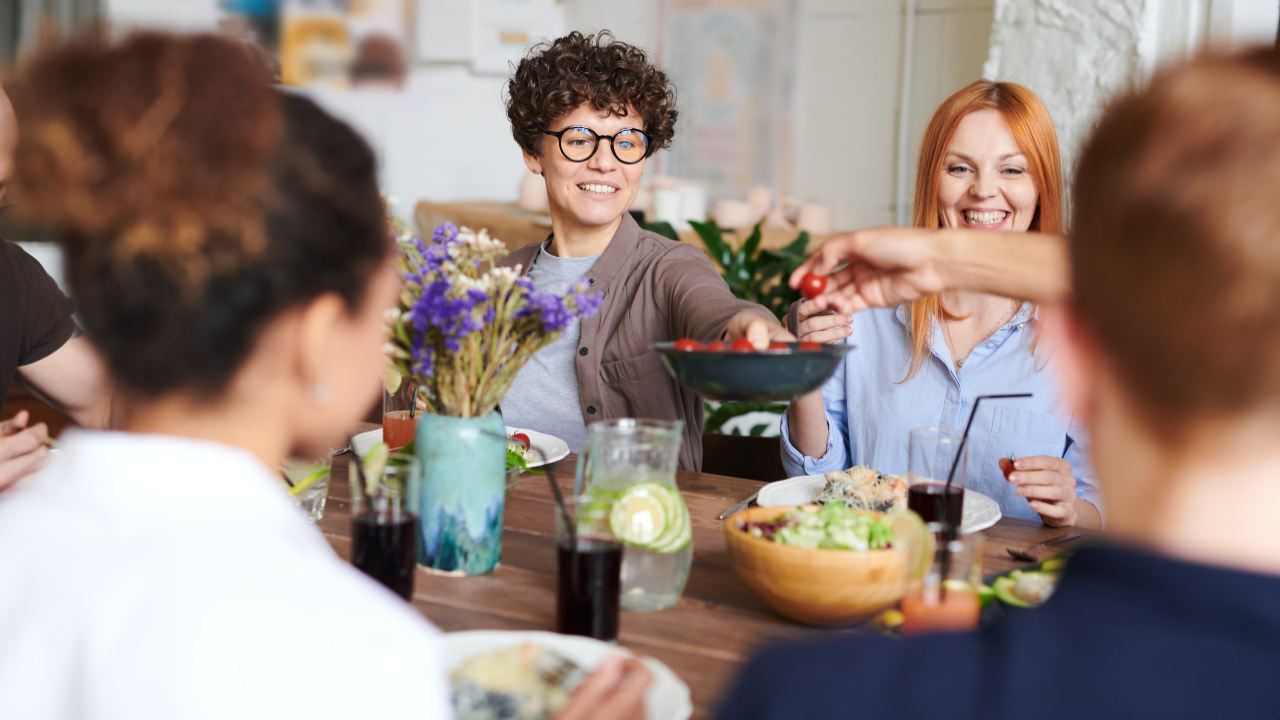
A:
[38, 341]
[1168, 346]
[227, 244]
[588, 111]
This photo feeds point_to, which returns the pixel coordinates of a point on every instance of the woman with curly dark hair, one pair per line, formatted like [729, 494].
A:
[227, 247]
[587, 111]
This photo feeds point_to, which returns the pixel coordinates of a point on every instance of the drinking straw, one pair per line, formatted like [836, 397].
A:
[949, 531]
[555, 490]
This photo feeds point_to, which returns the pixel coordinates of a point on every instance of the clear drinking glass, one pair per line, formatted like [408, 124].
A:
[588, 570]
[947, 597]
[630, 465]
[931, 452]
[308, 482]
[400, 414]
[384, 520]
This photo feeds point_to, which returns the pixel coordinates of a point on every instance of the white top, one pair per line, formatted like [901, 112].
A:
[154, 577]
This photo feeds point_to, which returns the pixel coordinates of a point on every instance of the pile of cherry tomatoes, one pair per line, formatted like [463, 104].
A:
[811, 286]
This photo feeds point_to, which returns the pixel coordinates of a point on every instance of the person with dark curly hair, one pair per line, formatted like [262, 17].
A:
[227, 245]
[587, 112]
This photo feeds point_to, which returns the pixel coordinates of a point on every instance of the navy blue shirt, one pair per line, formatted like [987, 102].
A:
[1129, 634]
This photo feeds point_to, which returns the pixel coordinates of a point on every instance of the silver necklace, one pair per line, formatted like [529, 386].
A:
[951, 343]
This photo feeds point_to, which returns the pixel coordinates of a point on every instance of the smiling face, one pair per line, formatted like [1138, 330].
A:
[591, 194]
[985, 182]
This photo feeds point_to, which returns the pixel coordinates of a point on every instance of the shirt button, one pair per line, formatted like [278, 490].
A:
[591, 409]
[582, 351]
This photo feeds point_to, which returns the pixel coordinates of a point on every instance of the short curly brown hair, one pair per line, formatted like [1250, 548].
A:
[557, 77]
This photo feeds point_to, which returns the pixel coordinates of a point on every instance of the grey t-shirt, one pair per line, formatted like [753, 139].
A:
[544, 396]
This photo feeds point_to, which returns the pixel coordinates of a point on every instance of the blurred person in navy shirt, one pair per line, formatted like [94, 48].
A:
[1166, 340]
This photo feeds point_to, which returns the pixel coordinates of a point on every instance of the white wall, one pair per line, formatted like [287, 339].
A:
[850, 76]
[1076, 53]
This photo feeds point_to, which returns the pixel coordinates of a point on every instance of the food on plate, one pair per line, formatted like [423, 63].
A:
[1025, 588]
[779, 346]
[834, 526]
[521, 682]
[520, 446]
[519, 452]
[716, 346]
[812, 285]
[809, 346]
[864, 488]
[742, 345]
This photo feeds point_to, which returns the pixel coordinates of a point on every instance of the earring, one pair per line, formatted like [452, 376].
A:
[319, 393]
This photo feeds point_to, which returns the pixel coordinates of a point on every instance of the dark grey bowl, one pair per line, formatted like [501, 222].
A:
[762, 376]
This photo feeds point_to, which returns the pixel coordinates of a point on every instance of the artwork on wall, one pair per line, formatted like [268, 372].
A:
[337, 44]
[731, 64]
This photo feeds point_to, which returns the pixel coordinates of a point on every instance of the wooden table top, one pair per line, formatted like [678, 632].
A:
[703, 639]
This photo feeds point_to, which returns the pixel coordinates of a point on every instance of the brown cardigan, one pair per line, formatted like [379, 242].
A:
[654, 289]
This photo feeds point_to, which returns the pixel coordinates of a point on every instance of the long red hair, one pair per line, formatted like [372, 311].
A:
[1032, 129]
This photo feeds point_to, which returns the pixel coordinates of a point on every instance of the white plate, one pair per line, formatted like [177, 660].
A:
[552, 447]
[668, 697]
[980, 511]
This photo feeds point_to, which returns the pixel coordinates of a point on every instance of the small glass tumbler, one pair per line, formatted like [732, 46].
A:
[384, 520]
[931, 454]
[588, 570]
[947, 598]
[400, 414]
[308, 482]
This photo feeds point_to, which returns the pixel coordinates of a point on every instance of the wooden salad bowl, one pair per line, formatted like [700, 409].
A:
[814, 586]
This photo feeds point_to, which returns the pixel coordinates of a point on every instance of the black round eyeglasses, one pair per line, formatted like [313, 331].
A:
[578, 143]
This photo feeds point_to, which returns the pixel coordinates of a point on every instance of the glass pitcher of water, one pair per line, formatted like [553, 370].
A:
[629, 466]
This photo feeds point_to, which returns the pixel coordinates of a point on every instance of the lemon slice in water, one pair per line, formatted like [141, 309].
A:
[641, 515]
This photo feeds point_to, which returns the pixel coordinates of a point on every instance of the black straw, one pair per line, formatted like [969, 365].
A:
[949, 531]
[555, 490]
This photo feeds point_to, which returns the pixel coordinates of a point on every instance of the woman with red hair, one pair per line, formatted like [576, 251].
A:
[988, 160]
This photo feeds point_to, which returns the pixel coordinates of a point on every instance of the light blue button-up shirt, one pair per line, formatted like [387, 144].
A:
[871, 411]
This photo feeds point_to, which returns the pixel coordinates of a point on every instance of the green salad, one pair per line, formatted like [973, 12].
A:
[834, 526]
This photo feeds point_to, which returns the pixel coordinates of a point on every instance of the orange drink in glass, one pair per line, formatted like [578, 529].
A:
[946, 599]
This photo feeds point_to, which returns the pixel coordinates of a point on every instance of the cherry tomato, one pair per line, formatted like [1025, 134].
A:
[779, 346]
[687, 345]
[1006, 466]
[716, 346]
[809, 346]
[742, 345]
[812, 285]
[522, 439]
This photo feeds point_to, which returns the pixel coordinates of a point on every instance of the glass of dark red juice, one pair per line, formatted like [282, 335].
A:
[588, 570]
[931, 454]
[384, 518]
